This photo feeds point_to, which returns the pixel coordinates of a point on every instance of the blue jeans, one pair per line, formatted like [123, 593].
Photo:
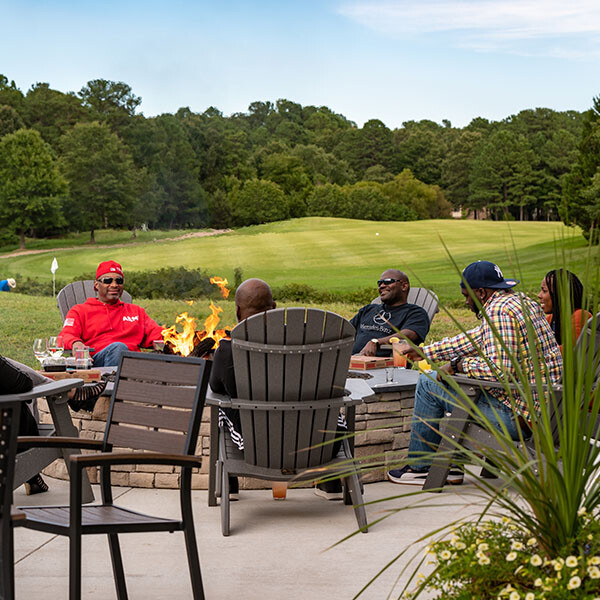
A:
[111, 355]
[432, 401]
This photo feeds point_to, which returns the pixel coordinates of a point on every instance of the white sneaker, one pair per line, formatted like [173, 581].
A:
[407, 476]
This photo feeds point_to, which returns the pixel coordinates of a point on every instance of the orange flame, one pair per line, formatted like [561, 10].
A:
[210, 326]
[221, 283]
[181, 343]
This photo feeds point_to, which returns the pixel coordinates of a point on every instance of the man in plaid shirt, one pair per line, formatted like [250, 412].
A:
[480, 354]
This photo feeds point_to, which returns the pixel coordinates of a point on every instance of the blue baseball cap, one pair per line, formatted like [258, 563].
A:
[486, 274]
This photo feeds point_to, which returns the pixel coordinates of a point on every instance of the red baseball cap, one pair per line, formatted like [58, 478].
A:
[108, 266]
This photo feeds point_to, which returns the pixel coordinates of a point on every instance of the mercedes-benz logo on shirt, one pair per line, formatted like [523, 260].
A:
[382, 318]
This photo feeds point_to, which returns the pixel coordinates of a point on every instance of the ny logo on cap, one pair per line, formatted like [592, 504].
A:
[499, 271]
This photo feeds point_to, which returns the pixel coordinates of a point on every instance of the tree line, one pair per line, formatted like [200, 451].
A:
[89, 160]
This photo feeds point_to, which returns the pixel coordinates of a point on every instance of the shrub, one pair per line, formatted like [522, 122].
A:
[305, 294]
[174, 282]
[498, 559]
[35, 287]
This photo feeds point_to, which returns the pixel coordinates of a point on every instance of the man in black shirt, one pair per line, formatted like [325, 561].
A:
[375, 324]
[253, 296]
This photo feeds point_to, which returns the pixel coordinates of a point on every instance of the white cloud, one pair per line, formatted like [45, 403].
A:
[558, 27]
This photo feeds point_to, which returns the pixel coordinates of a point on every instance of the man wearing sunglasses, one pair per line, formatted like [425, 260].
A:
[375, 324]
[106, 324]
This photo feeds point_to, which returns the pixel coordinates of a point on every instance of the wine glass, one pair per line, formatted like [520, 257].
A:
[56, 346]
[40, 349]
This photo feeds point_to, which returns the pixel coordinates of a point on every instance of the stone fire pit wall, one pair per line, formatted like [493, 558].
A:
[382, 431]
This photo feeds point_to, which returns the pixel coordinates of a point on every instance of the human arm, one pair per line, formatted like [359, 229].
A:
[72, 331]
[578, 320]
[446, 349]
[499, 341]
[152, 331]
[12, 379]
[371, 347]
[222, 374]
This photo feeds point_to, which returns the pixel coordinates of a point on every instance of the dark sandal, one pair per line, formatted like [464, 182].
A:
[85, 397]
[35, 485]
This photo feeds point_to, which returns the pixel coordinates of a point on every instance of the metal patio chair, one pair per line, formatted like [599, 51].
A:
[156, 407]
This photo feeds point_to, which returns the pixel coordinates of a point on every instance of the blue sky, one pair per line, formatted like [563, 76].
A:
[394, 60]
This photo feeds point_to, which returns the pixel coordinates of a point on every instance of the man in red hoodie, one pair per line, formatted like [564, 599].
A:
[106, 324]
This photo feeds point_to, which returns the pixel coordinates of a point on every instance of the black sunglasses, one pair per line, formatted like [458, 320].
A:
[109, 280]
[387, 281]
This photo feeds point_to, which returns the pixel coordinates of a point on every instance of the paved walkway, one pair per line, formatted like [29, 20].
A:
[277, 549]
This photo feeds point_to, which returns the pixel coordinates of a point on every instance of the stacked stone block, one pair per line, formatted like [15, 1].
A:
[381, 440]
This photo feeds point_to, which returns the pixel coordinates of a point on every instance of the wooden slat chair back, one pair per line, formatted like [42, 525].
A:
[154, 406]
[156, 409]
[290, 370]
[290, 357]
[470, 435]
[421, 297]
[77, 293]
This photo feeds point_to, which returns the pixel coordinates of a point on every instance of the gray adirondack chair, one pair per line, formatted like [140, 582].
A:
[421, 297]
[290, 369]
[78, 292]
[458, 427]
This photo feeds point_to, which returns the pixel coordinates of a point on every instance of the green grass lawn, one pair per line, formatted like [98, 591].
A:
[341, 254]
[23, 318]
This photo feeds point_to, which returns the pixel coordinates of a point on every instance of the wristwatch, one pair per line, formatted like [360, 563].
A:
[375, 341]
[454, 364]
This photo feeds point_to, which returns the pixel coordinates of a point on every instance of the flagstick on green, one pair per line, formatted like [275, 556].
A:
[53, 269]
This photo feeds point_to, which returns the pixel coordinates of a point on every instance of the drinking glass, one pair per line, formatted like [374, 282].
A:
[389, 374]
[56, 346]
[40, 349]
[279, 490]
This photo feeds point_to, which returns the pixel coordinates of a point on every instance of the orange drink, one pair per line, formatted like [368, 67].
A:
[399, 359]
[279, 489]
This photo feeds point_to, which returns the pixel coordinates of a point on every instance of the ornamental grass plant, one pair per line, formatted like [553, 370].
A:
[534, 532]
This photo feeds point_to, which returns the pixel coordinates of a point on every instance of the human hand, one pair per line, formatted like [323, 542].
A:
[406, 349]
[370, 349]
[446, 369]
[79, 346]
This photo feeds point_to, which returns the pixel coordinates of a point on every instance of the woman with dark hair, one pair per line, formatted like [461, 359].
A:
[550, 295]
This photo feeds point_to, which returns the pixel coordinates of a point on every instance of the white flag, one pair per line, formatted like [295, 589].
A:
[54, 266]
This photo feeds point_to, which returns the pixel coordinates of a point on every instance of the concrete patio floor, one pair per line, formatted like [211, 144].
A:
[277, 549]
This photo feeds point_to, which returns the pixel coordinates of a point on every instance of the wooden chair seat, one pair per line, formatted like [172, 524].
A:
[96, 519]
